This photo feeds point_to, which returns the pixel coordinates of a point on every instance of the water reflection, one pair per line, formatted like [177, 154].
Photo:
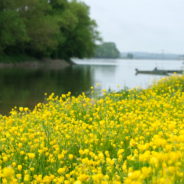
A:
[27, 87]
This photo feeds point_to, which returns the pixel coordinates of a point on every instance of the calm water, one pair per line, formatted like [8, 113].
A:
[27, 87]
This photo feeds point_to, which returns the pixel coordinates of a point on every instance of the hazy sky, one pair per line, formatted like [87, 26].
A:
[141, 25]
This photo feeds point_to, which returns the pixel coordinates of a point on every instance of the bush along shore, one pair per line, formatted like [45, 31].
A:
[132, 136]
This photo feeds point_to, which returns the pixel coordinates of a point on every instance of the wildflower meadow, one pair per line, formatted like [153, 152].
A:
[133, 136]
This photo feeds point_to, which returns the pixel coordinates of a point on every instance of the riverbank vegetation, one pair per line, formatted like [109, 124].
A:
[132, 136]
[42, 28]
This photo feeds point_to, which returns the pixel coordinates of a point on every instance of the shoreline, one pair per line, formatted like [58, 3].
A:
[47, 63]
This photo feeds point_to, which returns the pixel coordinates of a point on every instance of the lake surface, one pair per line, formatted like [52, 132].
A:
[27, 87]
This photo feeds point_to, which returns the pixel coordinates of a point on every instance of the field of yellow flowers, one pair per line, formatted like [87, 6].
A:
[132, 137]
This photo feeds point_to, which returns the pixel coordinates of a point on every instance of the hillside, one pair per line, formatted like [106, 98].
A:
[147, 55]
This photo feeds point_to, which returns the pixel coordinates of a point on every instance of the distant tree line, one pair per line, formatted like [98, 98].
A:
[46, 28]
[107, 50]
[130, 56]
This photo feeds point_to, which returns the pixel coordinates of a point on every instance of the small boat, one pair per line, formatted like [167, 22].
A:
[156, 71]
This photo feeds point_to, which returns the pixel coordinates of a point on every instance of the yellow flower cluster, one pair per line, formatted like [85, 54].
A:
[132, 137]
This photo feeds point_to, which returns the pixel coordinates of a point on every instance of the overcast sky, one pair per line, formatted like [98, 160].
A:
[141, 25]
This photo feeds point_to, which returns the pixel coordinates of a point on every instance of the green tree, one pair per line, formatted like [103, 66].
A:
[78, 31]
[107, 50]
[130, 56]
[12, 27]
[42, 28]
[52, 28]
